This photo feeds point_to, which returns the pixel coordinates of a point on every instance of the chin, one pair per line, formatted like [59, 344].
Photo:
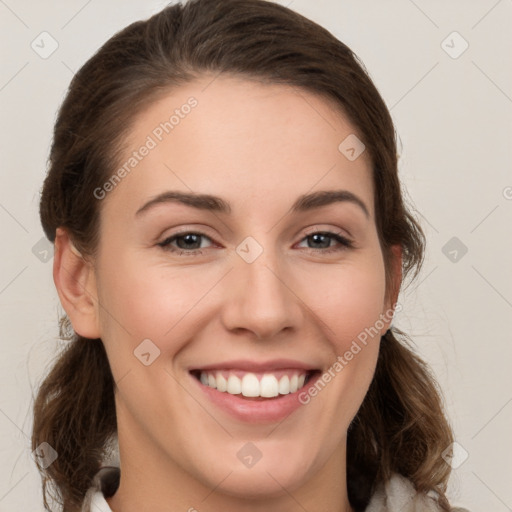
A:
[278, 470]
[261, 483]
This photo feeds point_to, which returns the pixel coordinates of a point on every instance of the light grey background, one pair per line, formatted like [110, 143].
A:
[453, 116]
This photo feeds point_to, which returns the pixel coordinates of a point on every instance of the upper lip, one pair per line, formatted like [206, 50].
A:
[255, 366]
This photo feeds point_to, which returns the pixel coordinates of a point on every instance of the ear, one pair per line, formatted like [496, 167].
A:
[76, 285]
[395, 281]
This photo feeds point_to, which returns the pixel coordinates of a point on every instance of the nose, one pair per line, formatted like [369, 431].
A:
[259, 297]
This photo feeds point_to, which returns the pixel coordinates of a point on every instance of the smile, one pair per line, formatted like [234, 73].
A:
[254, 385]
[255, 392]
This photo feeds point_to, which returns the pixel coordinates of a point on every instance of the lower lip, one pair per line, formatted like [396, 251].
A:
[267, 410]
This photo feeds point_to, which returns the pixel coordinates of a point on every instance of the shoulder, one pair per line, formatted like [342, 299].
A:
[398, 495]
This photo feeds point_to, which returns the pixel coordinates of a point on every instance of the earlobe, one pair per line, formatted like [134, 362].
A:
[76, 285]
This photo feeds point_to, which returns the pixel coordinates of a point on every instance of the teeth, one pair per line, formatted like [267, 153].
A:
[212, 381]
[234, 385]
[222, 383]
[269, 386]
[284, 385]
[251, 386]
[294, 384]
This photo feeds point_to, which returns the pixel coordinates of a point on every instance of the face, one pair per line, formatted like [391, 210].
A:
[235, 327]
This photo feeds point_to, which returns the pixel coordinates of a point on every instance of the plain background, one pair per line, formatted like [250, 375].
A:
[453, 115]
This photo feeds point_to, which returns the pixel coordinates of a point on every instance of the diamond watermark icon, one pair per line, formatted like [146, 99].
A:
[146, 352]
[249, 249]
[44, 45]
[351, 147]
[454, 249]
[454, 45]
[43, 250]
[249, 455]
[45, 455]
[455, 455]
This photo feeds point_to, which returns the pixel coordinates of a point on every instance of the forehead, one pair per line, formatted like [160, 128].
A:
[244, 140]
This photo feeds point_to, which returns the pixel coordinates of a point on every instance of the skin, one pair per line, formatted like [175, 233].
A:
[260, 147]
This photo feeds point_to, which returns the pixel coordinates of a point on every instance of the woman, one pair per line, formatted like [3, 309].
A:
[254, 370]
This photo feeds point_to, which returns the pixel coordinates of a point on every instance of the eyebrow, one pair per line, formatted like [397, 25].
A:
[212, 203]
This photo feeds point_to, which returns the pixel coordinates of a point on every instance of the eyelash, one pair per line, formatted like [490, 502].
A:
[345, 242]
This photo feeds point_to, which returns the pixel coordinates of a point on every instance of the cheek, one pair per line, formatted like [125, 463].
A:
[142, 301]
[349, 299]
[350, 313]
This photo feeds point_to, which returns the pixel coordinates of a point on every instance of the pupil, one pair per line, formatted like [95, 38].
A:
[317, 235]
[189, 239]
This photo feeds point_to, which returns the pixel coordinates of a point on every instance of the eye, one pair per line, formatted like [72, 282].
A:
[186, 242]
[189, 242]
[319, 237]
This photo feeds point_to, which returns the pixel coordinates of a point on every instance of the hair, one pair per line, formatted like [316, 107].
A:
[401, 425]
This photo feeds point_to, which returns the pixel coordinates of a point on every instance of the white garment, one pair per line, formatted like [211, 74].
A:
[397, 495]
[98, 503]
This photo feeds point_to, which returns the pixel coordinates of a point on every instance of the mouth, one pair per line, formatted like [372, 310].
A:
[256, 392]
[255, 385]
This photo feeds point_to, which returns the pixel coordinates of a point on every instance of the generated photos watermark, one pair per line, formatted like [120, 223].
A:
[343, 360]
[152, 140]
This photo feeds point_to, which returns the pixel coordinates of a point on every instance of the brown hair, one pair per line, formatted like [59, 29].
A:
[400, 426]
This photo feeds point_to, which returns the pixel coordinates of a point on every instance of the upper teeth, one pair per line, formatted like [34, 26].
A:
[251, 386]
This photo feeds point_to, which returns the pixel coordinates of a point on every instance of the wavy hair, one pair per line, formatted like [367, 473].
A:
[400, 426]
